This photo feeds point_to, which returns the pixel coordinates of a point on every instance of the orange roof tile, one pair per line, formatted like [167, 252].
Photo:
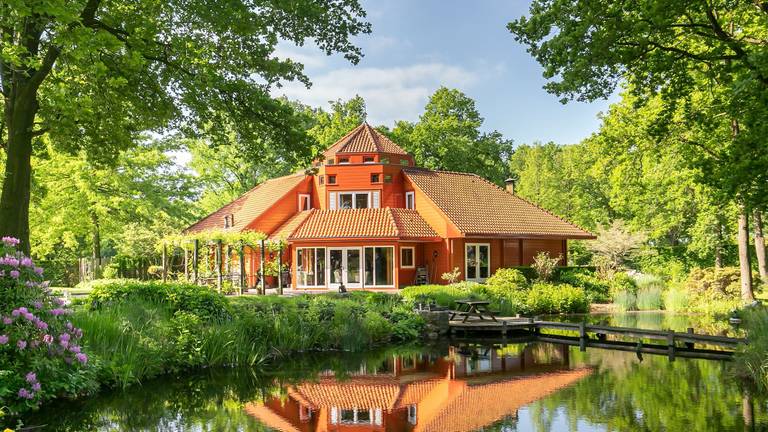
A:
[478, 207]
[355, 393]
[285, 230]
[364, 139]
[249, 206]
[361, 223]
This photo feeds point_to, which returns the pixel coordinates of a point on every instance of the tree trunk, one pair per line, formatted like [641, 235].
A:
[757, 217]
[744, 261]
[96, 250]
[20, 111]
[719, 244]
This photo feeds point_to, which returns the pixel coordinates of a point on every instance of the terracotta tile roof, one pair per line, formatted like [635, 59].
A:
[478, 207]
[252, 204]
[270, 418]
[474, 407]
[359, 223]
[355, 393]
[286, 229]
[364, 139]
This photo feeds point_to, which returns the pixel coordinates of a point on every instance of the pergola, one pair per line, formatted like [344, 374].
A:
[215, 243]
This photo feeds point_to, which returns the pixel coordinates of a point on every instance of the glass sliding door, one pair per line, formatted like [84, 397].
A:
[380, 266]
[345, 267]
[353, 261]
[310, 267]
[477, 261]
[335, 264]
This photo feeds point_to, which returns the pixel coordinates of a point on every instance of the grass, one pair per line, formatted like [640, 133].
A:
[649, 298]
[751, 361]
[625, 301]
[72, 291]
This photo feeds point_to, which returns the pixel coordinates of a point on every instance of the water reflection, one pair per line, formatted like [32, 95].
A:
[469, 388]
[528, 386]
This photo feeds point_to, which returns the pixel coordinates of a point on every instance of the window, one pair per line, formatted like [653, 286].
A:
[322, 179]
[305, 414]
[349, 200]
[375, 178]
[384, 160]
[368, 159]
[304, 202]
[310, 267]
[387, 178]
[477, 263]
[229, 221]
[404, 162]
[343, 160]
[329, 162]
[332, 179]
[407, 256]
[410, 200]
[361, 416]
[412, 414]
[379, 266]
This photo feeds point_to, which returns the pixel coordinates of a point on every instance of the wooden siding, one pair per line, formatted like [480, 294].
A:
[531, 247]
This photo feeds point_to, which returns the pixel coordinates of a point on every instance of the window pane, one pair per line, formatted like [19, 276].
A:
[353, 266]
[484, 261]
[406, 257]
[345, 201]
[363, 416]
[320, 274]
[471, 262]
[361, 200]
[384, 266]
[369, 266]
[335, 266]
[348, 416]
[306, 261]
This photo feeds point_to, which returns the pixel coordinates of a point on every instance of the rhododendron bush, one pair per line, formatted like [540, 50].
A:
[40, 352]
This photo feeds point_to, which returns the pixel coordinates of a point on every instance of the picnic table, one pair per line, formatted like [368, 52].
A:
[472, 308]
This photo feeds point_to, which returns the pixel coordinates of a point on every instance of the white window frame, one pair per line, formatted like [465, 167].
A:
[343, 161]
[354, 198]
[413, 257]
[372, 161]
[412, 196]
[373, 413]
[412, 419]
[477, 266]
[394, 269]
[309, 201]
[325, 271]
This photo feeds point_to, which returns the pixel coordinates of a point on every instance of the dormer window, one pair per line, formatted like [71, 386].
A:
[229, 221]
[344, 160]
[410, 200]
[369, 159]
[332, 179]
[375, 178]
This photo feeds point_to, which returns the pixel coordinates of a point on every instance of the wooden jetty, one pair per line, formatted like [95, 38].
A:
[674, 344]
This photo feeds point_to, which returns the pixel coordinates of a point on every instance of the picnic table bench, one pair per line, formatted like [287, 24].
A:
[472, 308]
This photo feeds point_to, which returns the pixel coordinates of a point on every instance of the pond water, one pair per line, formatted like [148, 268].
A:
[527, 386]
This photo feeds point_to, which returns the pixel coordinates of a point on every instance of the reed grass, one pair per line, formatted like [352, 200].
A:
[649, 298]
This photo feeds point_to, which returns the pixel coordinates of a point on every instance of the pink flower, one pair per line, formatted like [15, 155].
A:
[42, 325]
[29, 316]
[82, 358]
[25, 394]
[15, 274]
[38, 271]
[38, 305]
[57, 311]
[10, 241]
[36, 387]
[3, 339]
[75, 349]
[21, 344]
[26, 262]
[48, 339]
[7, 320]
[31, 378]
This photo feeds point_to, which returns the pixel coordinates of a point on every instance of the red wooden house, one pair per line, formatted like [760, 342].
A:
[367, 217]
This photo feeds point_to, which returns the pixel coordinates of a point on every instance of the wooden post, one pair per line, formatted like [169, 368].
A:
[195, 258]
[689, 345]
[280, 270]
[186, 263]
[241, 255]
[582, 337]
[671, 346]
[218, 265]
[165, 263]
[262, 282]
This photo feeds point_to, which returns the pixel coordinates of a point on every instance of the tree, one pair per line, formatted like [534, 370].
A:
[447, 137]
[330, 126]
[703, 58]
[93, 74]
[617, 244]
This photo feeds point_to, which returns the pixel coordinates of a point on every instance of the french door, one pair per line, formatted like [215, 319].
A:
[344, 266]
[477, 261]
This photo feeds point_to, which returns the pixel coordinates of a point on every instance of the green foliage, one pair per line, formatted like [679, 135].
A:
[712, 290]
[676, 299]
[544, 298]
[598, 290]
[625, 300]
[623, 282]
[752, 358]
[508, 279]
[442, 295]
[649, 298]
[616, 244]
[196, 299]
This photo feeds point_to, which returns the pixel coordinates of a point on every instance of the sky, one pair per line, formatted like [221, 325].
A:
[417, 46]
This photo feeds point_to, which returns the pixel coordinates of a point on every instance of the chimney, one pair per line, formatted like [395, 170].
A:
[510, 182]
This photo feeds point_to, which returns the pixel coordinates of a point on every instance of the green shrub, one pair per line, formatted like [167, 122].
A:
[545, 266]
[751, 360]
[200, 300]
[442, 295]
[598, 290]
[625, 301]
[622, 282]
[649, 298]
[676, 300]
[646, 281]
[508, 279]
[549, 298]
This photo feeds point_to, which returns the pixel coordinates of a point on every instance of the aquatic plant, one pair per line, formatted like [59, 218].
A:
[649, 298]
[625, 301]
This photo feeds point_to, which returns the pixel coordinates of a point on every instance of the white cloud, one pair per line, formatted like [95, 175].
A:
[391, 93]
[309, 55]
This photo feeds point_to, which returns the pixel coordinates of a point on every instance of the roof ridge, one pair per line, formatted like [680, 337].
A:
[374, 138]
[393, 220]
[310, 211]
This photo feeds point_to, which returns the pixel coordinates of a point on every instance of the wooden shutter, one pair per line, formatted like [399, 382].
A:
[332, 200]
[375, 198]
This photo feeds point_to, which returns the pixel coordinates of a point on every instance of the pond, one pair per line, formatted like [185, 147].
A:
[528, 386]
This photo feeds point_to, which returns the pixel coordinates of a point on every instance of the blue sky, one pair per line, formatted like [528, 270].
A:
[417, 46]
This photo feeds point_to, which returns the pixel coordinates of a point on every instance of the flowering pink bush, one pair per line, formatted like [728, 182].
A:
[40, 352]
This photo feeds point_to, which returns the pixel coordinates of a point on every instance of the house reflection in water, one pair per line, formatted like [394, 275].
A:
[470, 388]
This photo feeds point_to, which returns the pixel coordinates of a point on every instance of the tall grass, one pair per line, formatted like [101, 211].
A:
[649, 298]
[625, 301]
[752, 358]
[676, 300]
